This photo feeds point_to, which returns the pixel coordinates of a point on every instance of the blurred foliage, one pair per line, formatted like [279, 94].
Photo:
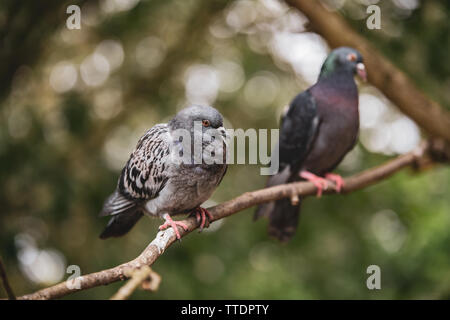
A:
[417, 41]
[62, 144]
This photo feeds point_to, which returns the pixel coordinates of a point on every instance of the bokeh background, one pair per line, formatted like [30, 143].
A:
[74, 102]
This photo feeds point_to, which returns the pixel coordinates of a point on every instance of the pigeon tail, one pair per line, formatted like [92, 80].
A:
[125, 214]
[282, 215]
[283, 219]
[263, 210]
[115, 204]
[121, 223]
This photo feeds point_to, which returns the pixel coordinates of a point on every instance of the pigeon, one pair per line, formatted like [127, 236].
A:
[318, 129]
[166, 175]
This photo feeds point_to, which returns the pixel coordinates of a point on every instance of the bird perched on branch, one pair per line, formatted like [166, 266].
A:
[319, 128]
[173, 170]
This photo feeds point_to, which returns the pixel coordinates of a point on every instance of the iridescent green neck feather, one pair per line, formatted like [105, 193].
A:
[328, 67]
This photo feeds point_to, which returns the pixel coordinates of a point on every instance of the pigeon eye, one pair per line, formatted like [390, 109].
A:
[206, 123]
[351, 57]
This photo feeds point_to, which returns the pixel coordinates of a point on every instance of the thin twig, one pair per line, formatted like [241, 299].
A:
[152, 283]
[8, 289]
[138, 276]
[165, 238]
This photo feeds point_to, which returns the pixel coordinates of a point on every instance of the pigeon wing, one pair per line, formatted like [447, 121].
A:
[299, 127]
[145, 173]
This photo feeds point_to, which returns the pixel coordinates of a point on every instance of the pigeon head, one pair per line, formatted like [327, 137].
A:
[343, 60]
[208, 117]
[204, 125]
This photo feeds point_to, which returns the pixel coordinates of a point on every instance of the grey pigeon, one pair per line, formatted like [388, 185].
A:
[319, 128]
[165, 176]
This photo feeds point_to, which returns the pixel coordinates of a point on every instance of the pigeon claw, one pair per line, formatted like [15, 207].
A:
[174, 224]
[200, 215]
[320, 183]
[337, 179]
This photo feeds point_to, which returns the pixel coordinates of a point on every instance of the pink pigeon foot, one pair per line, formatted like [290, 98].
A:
[320, 183]
[337, 179]
[200, 215]
[174, 224]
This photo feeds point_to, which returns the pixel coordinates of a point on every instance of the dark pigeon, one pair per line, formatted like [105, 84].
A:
[319, 128]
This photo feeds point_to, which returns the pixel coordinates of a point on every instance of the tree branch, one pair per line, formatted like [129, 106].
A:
[138, 276]
[5, 281]
[164, 239]
[381, 73]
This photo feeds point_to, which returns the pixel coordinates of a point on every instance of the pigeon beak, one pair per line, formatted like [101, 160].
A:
[361, 71]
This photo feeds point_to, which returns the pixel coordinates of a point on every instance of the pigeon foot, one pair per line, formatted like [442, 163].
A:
[200, 215]
[174, 224]
[320, 183]
[337, 179]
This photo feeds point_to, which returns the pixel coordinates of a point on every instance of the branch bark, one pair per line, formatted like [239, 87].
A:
[164, 239]
[381, 73]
